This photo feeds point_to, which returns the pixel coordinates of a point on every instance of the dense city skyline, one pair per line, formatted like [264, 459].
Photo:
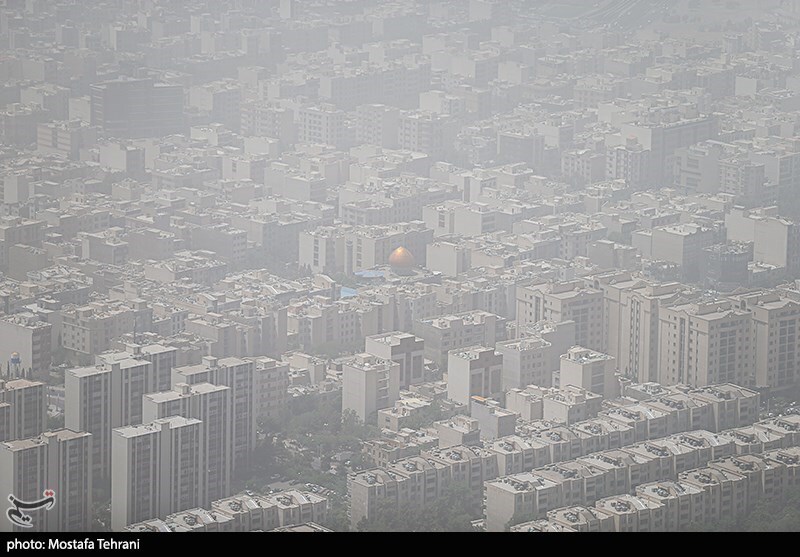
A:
[407, 265]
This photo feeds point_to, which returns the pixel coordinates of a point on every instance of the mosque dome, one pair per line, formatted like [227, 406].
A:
[401, 258]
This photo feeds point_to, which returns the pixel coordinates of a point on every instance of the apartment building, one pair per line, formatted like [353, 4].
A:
[407, 350]
[564, 301]
[157, 470]
[457, 331]
[24, 407]
[369, 384]
[57, 461]
[212, 405]
[589, 370]
[706, 343]
[474, 371]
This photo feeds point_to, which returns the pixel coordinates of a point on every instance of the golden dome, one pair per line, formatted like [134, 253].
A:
[401, 258]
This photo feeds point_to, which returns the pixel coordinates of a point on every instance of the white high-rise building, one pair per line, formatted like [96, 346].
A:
[405, 349]
[157, 470]
[240, 376]
[26, 406]
[776, 336]
[102, 397]
[476, 371]
[369, 384]
[57, 461]
[564, 301]
[706, 344]
[211, 404]
[590, 370]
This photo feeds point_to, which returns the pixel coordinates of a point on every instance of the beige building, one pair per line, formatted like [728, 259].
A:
[89, 330]
[707, 445]
[634, 514]
[494, 421]
[526, 361]
[541, 525]
[564, 301]
[104, 247]
[157, 470]
[449, 257]
[163, 358]
[425, 132]
[272, 388]
[5, 421]
[732, 405]
[65, 138]
[567, 405]
[629, 162]
[323, 123]
[420, 480]
[726, 492]
[468, 466]
[197, 520]
[376, 124]
[528, 403]
[646, 422]
[322, 250]
[404, 411]
[582, 519]
[631, 322]
[590, 370]
[31, 339]
[663, 130]
[130, 379]
[515, 455]
[790, 458]
[475, 371]
[518, 497]
[370, 488]
[750, 439]
[705, 344]
[570, 404]
[684, 504]
[457, 331]
[315, 368]
[458, 430]
[405, 349]
[599, 434]
[397, 445]
[669, 457]
[683, 411]
[788, 426]
[765, 478]
[369, 384]
[776, 240]
[56, 460]
[295, 507]
[245, 513]
[776, 334]
[681, 244]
